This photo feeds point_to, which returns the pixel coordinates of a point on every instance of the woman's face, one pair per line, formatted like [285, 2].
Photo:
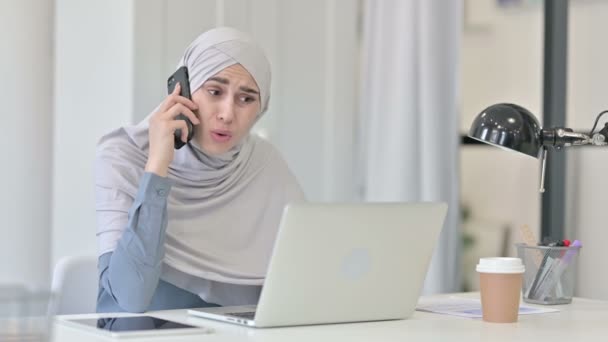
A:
[229, 103]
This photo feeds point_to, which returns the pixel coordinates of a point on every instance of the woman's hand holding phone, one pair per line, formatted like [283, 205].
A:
[162, 126]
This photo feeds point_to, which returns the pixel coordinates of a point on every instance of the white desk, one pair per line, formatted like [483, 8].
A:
[583, 320]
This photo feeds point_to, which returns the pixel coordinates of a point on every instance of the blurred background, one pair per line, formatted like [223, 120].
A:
[370, 102]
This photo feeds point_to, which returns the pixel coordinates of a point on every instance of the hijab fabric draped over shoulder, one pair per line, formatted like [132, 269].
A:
[223, 210]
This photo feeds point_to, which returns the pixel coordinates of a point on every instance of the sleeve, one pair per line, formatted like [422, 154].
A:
[130, 274]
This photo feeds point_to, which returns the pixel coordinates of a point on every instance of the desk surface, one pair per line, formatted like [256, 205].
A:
[584, 319]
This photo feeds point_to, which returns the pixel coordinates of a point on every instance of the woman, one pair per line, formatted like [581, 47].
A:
[193, 227]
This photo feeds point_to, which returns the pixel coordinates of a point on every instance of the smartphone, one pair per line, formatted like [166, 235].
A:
[181, 77]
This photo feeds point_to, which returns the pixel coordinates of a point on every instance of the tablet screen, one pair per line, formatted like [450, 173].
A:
[137, 323]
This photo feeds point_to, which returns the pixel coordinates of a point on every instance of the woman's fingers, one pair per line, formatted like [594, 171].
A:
[183, 100]
[179, 108]
[181, 125]
[174, 98]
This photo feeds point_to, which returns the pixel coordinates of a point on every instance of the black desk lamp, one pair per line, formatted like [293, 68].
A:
[512, 127]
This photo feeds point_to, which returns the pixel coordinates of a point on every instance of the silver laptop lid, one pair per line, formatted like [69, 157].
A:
[349, 262]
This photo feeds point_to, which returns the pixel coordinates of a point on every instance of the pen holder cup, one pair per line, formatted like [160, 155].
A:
[550, 273]
[25, 315]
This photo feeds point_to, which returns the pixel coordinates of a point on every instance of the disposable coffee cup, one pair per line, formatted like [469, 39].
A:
[500, 281]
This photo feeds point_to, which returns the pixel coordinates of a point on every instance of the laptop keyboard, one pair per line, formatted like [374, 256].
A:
[246, 315]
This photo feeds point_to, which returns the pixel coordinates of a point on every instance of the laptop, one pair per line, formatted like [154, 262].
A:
[337, 263]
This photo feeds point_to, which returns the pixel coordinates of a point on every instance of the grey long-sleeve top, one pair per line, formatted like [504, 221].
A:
[129, 277]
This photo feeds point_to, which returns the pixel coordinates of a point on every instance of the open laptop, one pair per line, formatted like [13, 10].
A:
[335, 263]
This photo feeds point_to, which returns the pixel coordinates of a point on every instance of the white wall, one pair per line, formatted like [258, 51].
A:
[587, 75]
[113, 59]
[316, 106]
[93, 94]
[25, 97]
[502, 61]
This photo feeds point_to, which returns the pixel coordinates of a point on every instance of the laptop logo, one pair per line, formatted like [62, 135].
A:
[356, 264]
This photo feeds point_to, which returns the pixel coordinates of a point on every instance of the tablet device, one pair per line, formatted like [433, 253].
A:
[133, 326]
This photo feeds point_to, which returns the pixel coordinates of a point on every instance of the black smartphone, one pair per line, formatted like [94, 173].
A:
[181, 77]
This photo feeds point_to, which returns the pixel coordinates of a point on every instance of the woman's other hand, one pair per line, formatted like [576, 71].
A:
[162, 126]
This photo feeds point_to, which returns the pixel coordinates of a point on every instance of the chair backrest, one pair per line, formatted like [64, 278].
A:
[75, 281]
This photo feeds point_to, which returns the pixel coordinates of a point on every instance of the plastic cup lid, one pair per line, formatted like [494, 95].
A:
[500, 265]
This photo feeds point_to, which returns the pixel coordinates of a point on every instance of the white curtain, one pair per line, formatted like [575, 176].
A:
[409, 118]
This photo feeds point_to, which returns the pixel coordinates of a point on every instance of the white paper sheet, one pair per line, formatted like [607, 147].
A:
[471, 308]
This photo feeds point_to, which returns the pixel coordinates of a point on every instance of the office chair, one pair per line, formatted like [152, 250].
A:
[75, 282]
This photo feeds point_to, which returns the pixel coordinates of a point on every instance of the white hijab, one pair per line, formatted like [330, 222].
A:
[223, 211]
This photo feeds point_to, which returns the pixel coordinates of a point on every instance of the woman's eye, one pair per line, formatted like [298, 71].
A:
[247, 99]
[214, 92]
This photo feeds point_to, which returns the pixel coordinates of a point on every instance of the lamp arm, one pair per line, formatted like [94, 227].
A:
[601, 138]
[565, 137]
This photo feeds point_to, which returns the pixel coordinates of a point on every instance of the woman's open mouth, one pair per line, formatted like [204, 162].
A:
[220, 136]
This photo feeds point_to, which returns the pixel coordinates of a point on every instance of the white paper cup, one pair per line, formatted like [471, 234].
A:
[500, 281]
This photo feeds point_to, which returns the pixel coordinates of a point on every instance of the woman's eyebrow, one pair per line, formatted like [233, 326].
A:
[219, 79]
[249, 90]
[227, 81]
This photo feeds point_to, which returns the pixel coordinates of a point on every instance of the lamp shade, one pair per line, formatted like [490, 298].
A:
[508, 126]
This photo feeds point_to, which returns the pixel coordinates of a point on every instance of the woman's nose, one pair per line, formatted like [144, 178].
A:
[226, 112]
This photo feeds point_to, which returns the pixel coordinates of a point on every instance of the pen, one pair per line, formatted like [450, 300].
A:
[539, 273]
[545, 265]
[555, 272]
